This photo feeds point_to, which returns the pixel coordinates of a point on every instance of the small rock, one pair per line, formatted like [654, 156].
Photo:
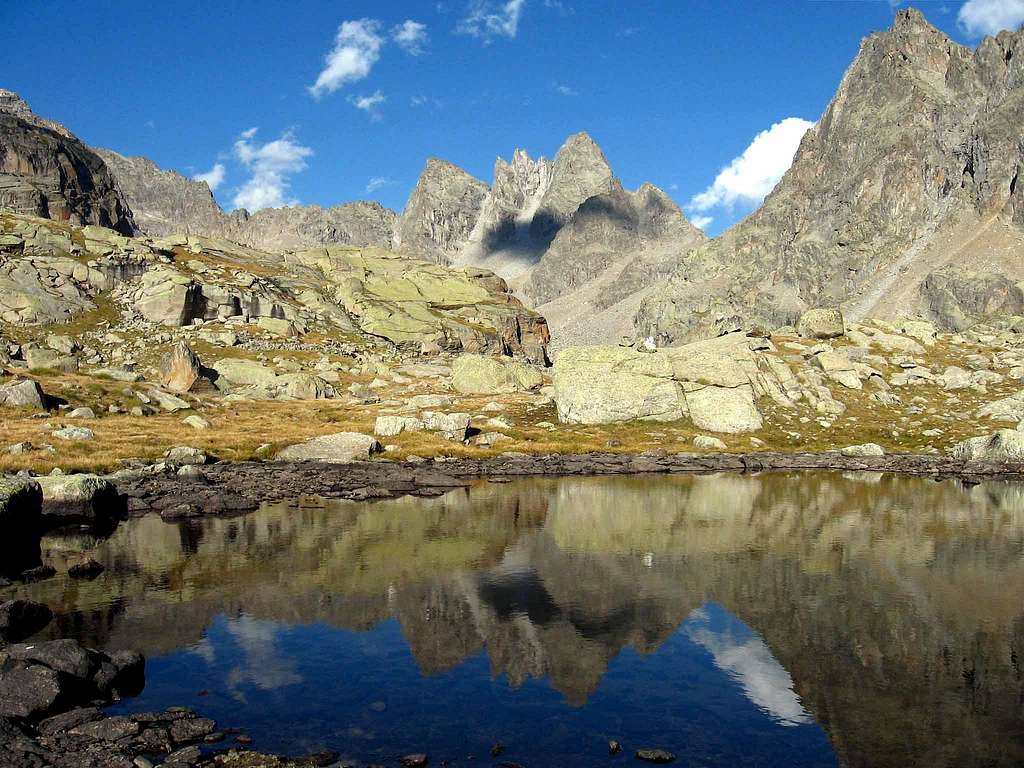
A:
[707, 442]
[655, 755]
[866, 449]
[81, 413]
[89, 569]
[413, 761]
[74, 433]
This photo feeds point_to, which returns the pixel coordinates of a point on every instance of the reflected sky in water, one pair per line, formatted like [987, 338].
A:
[811, 620]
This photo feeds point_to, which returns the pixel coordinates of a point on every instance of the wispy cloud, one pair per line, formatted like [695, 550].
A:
[377, 182]
[369, 104]
[411, 37]
[213, 177]
[270, 165]
[751, 176]
[987, 17]
[563, 89]
[487, 20]
[701, 222]
[356, 49]
[421, 100]
[627, 31]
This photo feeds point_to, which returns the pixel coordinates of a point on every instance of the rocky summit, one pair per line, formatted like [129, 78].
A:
[902, 199]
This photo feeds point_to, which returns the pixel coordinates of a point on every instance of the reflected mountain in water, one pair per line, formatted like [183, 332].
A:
[889, 610]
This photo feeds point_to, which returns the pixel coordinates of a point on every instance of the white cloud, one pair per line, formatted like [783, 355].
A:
[987, 17]
[752, 175]
[213, 177]
[701, 222]
[564, 90]
[369, 104]
[377, 182]
[356, 49]
[270, 165]
[411, 36]
[420, 100]
[487, 20]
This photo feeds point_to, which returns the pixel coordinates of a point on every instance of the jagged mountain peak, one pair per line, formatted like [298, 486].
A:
[12, 104]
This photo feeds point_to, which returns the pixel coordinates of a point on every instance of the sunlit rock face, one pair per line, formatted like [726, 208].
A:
[880, 607]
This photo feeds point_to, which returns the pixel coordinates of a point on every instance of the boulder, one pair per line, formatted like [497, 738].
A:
[599, 385]
[302, 386]
[481, 375]
[278, 326]
[337, 448]
[81, 413]
[863, 450]
[74, 434]
[236, 372]
[167, 402]
[724, 409]
[79, 497]
[706, 442]
[184, 455]
[25, 393]
[28, 691]
[196, 422]
[1005, 409]
[450, 426]
[821, 324]
[21, 504]
[182, 371]
[389, 426]
[1005, 446]
[39, 358]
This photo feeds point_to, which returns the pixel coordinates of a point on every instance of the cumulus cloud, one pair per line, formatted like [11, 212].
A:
[270, 165]
[752, 175]
[356, 49]
[369, 104]
[213, 177]
[701, 221]
[411, 37]
[376, 183]
[487, 20]
[987, 17]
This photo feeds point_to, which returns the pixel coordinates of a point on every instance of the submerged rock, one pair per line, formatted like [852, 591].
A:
[22, 618]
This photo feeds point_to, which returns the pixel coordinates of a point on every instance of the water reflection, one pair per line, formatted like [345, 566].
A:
[730, 618]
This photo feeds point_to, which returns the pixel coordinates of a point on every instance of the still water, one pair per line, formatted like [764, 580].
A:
[811, 619]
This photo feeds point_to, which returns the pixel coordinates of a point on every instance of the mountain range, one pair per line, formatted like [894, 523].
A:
[901, 200]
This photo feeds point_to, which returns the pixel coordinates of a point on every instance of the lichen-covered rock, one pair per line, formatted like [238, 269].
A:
[821, 324]
[389, 426]
[26, 393]
[80, 497]
[483, 375]
[339, 447]
[1005, 446]
[863, 450]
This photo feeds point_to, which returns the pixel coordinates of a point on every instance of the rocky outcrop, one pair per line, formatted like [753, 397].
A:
[45, 171]
[958, 298]
[480, 375]
[55, 275]
[167, 203]
[916, 156]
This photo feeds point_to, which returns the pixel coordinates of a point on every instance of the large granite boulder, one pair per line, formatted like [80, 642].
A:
[182, 371]
[23, 394]
[715, 384]
[85, 497]
[483, 375]
[821, 324]
[339, 448]
[22, 618]
[20, 508]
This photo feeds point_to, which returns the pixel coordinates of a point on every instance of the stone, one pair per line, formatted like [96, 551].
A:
[38, 358]
[389, 426]
[196, 422]
[708, 443]
[451, 426]
[28, 691]
[185, 455]
[81, 413]
[821, 324]
[1005, 446]
[418, 760]
[74, 434]
[724, 409]
[88, 569]
[277, 326]
[238, 372]
[85, 497]
[338, 447]
[480, 375]
[22, 394]
[864, 450]
[181, 370]
[63, 344]
[64, 656]
[22, 618]
[1005, 409]
[21, 504]
[167, 402]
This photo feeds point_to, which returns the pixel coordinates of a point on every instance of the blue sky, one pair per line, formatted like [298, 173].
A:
[673, 91]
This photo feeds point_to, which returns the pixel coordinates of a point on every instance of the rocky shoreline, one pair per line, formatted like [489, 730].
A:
[236, 487]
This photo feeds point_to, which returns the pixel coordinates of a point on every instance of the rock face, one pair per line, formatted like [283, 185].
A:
[45, 171]
[440, 213]
[958, 298]
[1002, 446]
[714, 384]
[166, 203]
[913, 165]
